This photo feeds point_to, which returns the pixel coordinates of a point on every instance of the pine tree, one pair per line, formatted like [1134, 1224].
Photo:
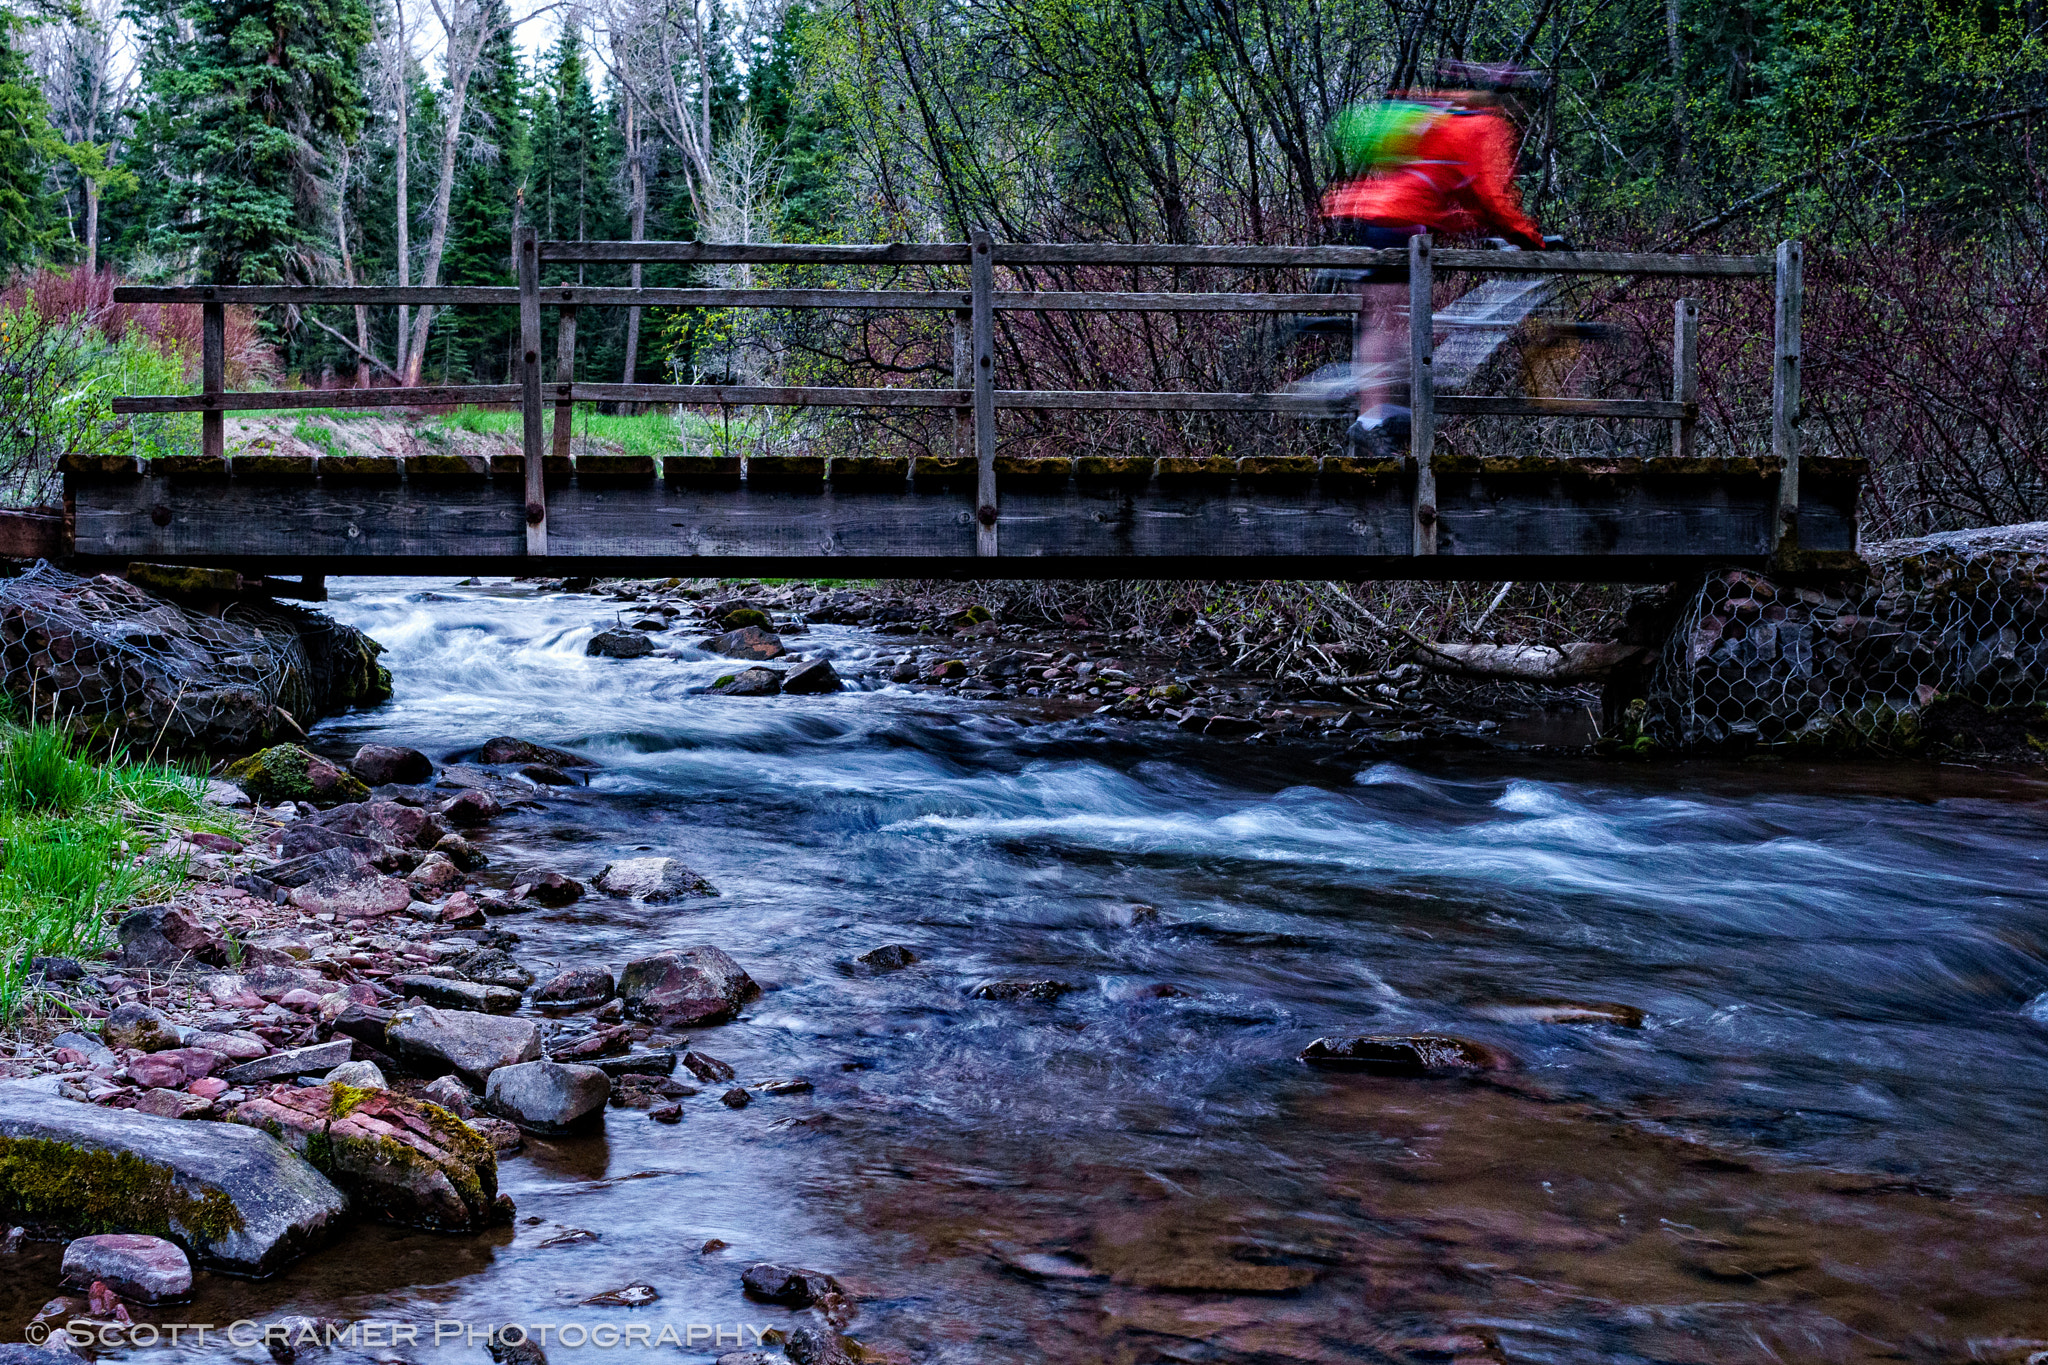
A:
[239, 97]
[28, 147]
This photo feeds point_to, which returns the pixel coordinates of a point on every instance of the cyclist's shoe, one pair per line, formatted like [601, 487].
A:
[1382, 433]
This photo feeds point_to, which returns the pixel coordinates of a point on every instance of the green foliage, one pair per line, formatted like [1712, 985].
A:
[70, 833]
[29, 146]
[238, 98]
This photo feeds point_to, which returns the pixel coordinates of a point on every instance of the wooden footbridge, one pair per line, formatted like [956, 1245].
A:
[974, 510]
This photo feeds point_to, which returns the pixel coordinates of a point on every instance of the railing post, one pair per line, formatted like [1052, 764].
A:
[565, 375]
[1785, 390]
[963, 380]
[1685, 371]
[526, 250]
[1422, 388]
[982, 272]
[213, 367]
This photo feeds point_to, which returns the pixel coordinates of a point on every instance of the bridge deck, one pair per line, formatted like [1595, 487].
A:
[1207, 518]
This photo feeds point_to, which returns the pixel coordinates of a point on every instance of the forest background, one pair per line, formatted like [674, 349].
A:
[402, 141]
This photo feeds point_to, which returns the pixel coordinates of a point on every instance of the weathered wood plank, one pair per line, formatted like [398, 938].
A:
[754, 253]
[1544, 517]
[260, 295]
[742, 395]
[426, 396]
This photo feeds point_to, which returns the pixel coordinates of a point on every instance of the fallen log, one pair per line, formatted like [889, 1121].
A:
[1573, 663]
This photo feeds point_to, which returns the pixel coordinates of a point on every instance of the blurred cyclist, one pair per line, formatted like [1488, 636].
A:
[1440, 162]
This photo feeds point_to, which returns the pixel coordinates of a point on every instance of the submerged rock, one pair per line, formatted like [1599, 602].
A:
[471, 807]
[471, 1045]
[698, 985]
[1411, 1054]
[634, 1295]
[548, 1097]
[236, 1198]
[397, 1159]
[1046, 991]
[619, 644]
[379, 765]
[553, 889]
[286, 772]
[138, 1267]
[1562, 1012]
[653, 880]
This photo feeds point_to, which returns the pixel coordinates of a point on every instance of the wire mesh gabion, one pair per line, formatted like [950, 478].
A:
[104, 655]
[1941, 643]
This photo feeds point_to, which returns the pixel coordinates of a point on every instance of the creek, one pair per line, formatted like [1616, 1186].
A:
[1823, 1143]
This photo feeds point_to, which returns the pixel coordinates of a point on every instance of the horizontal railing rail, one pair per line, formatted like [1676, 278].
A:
[974, 399]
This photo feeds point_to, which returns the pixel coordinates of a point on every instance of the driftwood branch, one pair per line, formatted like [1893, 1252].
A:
[1572, 663]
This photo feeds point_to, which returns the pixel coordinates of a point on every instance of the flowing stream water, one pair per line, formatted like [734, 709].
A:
[1825, 1142]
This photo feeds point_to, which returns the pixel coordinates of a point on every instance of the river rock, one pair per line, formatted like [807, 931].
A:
[507, 749]
[388, 822]
[707, 1068]
[487, 967]
[789, 1285]
[818, 1346]
[163, 936]
[436, 875]
[890, 957]
[698, 985]
[472, 807]
[139, 1027]
[379, 765]
[236, 1047]
[453, 994]
[157, 1071]
[1411, 1054]
[739, 618]
[1562, 1012]
[603, 1043]
[357, 1076]
[1045, 991]
[553, 889]
[548, 1097]
[752, 682]
[748, 642]
[236, 1199]
[619, 644]
[91, 1050]
[362, 1022]
[638, 1064]
[174, 1104]
[461, 852]
[578, 988]
[736, 1098]
[812, 678]
[398, 1160]
[653, 880]
[298, 1061]
[469, 1044]
[366, 894]
[452, 1095]
[138, 1267]
[286, 772]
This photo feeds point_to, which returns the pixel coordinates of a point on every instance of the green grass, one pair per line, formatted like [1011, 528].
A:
[71, 835]
[650, 433]
[314, 432]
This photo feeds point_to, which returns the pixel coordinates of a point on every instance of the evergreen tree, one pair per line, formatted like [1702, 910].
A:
[477, 343]
[802, 126]
[29, 146]
[239, 98]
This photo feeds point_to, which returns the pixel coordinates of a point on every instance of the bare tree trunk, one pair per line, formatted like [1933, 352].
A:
[637, 170]
[92, 225]
[463, 48]
[348, 268]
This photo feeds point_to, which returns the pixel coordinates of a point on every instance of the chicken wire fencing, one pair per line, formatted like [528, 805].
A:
[107, 657]
[1945, 646]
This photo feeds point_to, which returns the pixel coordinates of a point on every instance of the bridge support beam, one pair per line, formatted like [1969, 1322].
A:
[1785, 373]
[1422, 387]
[982, 277]
[526, 252]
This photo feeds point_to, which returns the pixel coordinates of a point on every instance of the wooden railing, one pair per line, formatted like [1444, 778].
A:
[974, 398]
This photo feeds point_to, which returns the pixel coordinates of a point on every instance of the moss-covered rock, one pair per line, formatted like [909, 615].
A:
[235, 1200]
[286, 772]
[398, 1160]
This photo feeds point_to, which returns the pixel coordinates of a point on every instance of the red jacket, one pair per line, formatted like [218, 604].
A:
[1460, 184]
